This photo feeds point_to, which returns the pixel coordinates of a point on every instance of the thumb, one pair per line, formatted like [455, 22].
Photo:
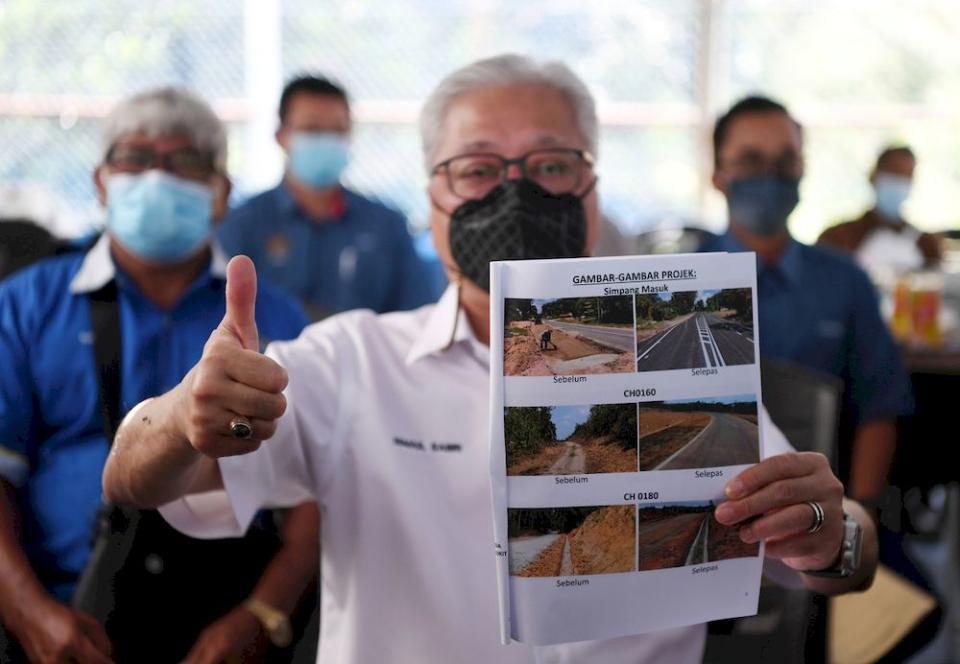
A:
[241, 302]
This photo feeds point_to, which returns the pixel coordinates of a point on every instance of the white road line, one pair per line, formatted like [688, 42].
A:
[716, 348]
[692, 554]
[656, 431]
[647, 352]
[703, 346]
[706, 538]
[670, 458]
[709, 343]
[599, 328]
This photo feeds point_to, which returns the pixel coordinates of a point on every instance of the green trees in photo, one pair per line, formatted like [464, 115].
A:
[739, 300]
[528, 430]
[618, 421]
[613, 309]
[517, 309]
[546, 520]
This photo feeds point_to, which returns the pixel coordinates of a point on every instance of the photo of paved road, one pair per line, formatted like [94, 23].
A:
[571, 440]
[703, 433]
[695, 329]
[612, 337]
[571, 541]
[728, 440]
[568, 336]
[700, 341]
[683, 534]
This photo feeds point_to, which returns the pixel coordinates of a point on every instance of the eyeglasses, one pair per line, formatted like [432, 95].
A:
[558, 170]
[186, 162]
[753, 164]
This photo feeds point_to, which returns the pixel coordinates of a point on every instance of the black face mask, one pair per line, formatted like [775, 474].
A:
[517, 220]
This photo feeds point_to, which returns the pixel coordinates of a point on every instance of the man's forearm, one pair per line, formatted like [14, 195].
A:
[166, 447]
[152, 462]
[869, 554]
[289, 572]
[874, 445]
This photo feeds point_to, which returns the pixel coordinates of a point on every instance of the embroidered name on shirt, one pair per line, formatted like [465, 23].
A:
[412, 444]
[434, 447]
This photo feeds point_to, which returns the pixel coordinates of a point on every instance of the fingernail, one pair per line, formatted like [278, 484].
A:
[735, 489]
[724, 513]
[747, 535]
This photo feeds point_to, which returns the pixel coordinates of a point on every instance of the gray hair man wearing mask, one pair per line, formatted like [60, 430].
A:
[163, 183]
[384, 419]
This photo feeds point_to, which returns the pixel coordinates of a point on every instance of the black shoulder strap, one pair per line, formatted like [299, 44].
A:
[105, 318]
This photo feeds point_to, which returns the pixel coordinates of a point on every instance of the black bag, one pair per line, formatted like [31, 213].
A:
[152, 587]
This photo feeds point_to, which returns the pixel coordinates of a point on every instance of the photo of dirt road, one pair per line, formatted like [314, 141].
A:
[682, 534]
[568, 336]
[695, 329]
[567, 440]
[571, 541]
[701, 433]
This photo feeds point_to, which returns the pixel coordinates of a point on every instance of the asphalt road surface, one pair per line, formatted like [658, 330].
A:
[728, 440]
[703, 340]
[659, 545]
[619, 338]
[524, 550]
[572, 462]
[698, 552]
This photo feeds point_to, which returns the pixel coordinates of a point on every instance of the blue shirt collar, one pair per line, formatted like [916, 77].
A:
[287, 204]
[790, 264]
[98, 268]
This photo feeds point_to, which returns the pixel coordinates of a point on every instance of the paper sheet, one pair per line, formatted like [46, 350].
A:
[625, 393]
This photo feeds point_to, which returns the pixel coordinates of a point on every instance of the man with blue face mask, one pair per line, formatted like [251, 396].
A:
[329, 246]
[882, 238]
[163, 184]
[816, 307]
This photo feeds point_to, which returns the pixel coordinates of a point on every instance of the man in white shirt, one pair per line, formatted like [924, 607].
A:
[383, 419]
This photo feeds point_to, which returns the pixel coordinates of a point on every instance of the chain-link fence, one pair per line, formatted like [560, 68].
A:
[859, 74]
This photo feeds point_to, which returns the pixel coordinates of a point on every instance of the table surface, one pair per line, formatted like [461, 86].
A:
[944, 362]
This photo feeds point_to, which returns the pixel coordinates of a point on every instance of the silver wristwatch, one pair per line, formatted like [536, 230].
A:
[849, 560]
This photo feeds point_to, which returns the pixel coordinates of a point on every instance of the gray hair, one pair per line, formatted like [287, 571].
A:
[508, 69]
[168, 111]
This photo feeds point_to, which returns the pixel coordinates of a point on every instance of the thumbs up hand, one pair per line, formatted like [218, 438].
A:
[240, 318]
[233, 381]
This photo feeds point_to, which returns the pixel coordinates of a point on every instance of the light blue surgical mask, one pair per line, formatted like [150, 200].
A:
[892, 193]
[158, 216]
[318, 159]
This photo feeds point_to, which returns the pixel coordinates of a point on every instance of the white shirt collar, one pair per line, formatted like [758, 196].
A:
[98, 269]
[445, 326]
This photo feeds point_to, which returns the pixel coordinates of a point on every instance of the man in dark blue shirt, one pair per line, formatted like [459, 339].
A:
[329, 246]
[163, 185]
[816, 307]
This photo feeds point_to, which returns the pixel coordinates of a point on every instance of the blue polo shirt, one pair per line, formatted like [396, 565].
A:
[817, 308]
[52, 444]
[362, 259]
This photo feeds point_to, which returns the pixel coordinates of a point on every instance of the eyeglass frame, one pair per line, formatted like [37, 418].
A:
[585, 155]
[788, 166]
[162, 160]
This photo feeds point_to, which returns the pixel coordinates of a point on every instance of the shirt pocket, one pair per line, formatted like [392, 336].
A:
[825, 348]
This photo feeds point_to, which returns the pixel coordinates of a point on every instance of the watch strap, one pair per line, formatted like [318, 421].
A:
[275, 622]
[848, 560]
